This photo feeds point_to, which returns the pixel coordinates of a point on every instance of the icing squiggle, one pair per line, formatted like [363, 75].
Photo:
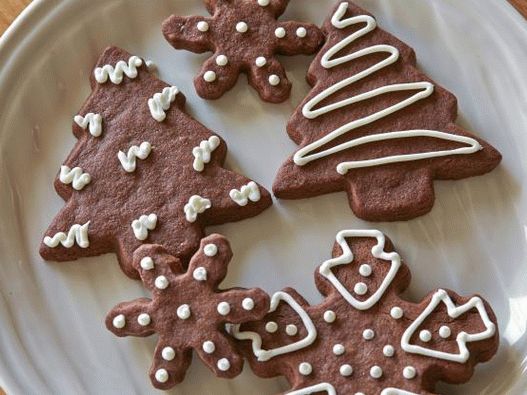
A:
[247, 192]
[142, 225]
[305, 155]
[396, 391]
[161, 102]
[322, 387]
[129, 160]
[77, 233]
[196, 205]
[94, 121]
[202, 153]
[74, 176]
[117, 73]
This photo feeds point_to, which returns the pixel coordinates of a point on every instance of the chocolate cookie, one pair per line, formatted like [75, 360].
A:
[142, 171]
[364, 338]
[187, 311]
[245, 37]
[375, 126]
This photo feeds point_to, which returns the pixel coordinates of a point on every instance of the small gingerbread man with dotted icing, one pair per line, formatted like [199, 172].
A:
[364, 339]
[245, 37]
[188, 311]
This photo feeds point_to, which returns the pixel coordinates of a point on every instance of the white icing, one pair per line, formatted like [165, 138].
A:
[330, 316]
[396, 391]
[209, 347]
[143, 319]
[119, 321]
[196, 205]
[200, 274]
[315, 389]
[274, 80]
[161, 102]
[301, 32]
[279, 32]
[210, 250]
[346, 370]
[425, 89]
[222, 60]
[161, 282]
[388, 351]
[368, 334]
[151, 66]
[147, 263]
[144, 224]
[305, 368]
[209, 76]
[76, 177]
[183, 312]
[241, 27]
[263, 3]
[291, 330]
[360, 289]
[445, 332]
[338, 349]
[77, 234]
[117, 73]
[396, 313]
[224, 308]
[202, 153]
[260, 61]
[248, 304]
[347, 258]
[224, 364]
[91, 121]
[376, 372]
[365, 270]
[168, 353]
[241, 197]
[441, 296]
[161, 375]
[271, 327]
[409, 372]
[265, 355]
[425, 336]
[129, 160]
[203, 26]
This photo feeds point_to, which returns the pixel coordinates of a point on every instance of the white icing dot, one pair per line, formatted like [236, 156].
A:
[368, 334]
[365, 270]
[305, 368]
[425, 336]
[161, 375]
[119, 321]
[221, 60]
[330, 316]
[409, 372]
[209, 76]
[161, 282]
[147, 263]
[279, 32]
[143, 319]
[248, 304]
[360, 288]
[224, 364]
[338, 349]
[445, 332]
[359, 393]
[346, 370]
[200, 274]
[301, 32]
[388, 351]
[241, 27]
[168, 354]
[183, 311]
[210, 249]
[263, 3]
[271, 327]
[224, 308]
[376, 372]
[291, 330]
[203, 26]
[396, 313]
[260, 61]
[209, 347]
[274, 80]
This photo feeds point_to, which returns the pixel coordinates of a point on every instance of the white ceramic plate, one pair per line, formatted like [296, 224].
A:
[52, 337]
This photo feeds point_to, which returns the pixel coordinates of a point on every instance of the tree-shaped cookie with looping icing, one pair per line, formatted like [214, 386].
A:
[245, 37]
[188, 311]
[364, 338]
[142, 171]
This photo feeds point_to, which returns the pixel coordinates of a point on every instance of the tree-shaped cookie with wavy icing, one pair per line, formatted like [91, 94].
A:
[142, 171]
[375, 126]
[245, 37]
[364, 338]
[188, 311]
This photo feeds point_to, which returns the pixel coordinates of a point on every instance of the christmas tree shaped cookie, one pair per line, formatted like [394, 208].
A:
[142, 171]
[364, 338]
[245, 37]
[187, 311]
[375, 126]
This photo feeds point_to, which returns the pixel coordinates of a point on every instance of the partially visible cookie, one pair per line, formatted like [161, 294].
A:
[364, 338]
[375, 126]
[245, 37]
[142, 171]
[187, 311]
